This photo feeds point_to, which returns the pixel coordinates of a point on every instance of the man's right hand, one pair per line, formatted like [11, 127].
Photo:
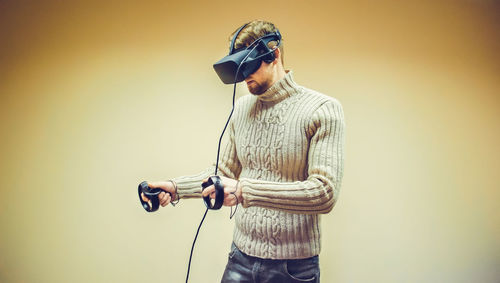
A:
[163, 197]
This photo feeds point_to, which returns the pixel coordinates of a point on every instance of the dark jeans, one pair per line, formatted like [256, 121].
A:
[243, 268]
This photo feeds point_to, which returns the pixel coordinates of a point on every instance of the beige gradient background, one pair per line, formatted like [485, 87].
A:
[97, 96]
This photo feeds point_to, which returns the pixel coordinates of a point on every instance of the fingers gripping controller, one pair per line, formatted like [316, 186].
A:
[219, 193]
[152, 195]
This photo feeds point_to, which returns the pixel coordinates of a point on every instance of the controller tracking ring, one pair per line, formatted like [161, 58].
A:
[219, 193]
[152, 195]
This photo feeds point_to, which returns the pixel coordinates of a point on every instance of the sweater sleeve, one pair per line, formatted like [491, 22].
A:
[319, 192]
[229, 166]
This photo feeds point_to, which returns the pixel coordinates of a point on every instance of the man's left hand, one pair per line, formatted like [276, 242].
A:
[232, 191]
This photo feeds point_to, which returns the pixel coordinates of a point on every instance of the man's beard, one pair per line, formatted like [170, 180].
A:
[258, 89]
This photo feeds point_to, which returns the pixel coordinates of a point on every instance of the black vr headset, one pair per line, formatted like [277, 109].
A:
[242, 62]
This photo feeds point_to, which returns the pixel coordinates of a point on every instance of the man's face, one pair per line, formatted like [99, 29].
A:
[260, 80]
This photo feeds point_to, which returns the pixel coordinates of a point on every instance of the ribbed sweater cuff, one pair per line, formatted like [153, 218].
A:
[307, 197]
[190, 186]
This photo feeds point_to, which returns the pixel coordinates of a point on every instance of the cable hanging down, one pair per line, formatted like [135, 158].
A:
[217, 163]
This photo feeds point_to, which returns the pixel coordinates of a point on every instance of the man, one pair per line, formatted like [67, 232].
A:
[283, 164]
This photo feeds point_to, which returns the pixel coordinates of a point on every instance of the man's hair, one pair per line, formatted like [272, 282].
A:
[254, 30]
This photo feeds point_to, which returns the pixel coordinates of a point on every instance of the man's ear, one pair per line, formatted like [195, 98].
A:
[277, 54]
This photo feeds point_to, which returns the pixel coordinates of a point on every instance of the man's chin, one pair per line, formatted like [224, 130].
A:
[255, 92]
[254, 88]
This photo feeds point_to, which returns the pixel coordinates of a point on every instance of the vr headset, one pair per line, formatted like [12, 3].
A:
[242, 62]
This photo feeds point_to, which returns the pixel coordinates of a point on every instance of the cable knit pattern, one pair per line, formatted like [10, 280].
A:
[286, 148]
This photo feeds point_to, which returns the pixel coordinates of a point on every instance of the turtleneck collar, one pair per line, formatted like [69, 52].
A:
[281, 89]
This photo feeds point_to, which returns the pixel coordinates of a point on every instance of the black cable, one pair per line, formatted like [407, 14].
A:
[232, 109]
[217, 162]
[192, 247]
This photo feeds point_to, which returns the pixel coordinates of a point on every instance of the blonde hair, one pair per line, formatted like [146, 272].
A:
[254, 30]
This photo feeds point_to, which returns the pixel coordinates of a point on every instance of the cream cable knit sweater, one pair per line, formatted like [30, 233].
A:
[286, 146]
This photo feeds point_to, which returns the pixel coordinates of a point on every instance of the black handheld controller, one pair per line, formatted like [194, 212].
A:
[154, 204]
[152, 195]
[219, 192]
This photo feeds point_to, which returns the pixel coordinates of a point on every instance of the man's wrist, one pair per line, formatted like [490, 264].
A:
[239, 192]
[176, 196]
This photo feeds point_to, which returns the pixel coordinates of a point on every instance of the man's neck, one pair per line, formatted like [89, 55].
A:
[278, 74]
